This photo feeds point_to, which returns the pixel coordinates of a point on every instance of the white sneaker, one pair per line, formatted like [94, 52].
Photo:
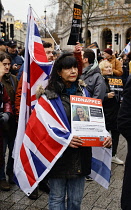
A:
[116, 160]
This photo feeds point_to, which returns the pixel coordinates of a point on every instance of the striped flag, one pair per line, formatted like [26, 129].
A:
[127, 49]
[46, 138]
[36, 72]
[101, 165]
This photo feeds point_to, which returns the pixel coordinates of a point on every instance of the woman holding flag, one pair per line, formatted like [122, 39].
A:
[67, 176]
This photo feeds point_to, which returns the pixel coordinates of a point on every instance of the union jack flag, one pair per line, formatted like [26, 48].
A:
[36, 72]
[46, 138]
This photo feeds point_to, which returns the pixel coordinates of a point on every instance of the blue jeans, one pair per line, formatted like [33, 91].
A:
[74, 188]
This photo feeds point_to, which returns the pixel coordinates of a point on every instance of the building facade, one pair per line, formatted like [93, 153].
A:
[15, 29]
[108, 25]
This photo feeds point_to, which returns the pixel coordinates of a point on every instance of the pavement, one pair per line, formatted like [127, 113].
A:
[95, 196]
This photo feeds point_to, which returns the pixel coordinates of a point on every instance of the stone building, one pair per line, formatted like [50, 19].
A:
[19, 29]
[108, 22]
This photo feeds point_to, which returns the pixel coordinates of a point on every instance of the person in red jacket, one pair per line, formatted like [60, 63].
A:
[5, 113]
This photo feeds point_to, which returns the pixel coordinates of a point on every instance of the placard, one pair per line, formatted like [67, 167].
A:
[87, 120]
[76, 25]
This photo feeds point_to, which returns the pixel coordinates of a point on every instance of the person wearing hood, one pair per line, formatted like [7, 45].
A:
[92, 76]
[17, 61]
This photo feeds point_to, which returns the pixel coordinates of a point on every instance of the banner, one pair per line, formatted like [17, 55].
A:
[94, 45]
[116, 85]
[76, 25]
[87, 120]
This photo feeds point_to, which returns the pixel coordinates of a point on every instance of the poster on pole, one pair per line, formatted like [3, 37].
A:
[76, 25]
[87, 120]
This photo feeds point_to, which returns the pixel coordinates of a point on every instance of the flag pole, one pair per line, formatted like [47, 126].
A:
[46, 29]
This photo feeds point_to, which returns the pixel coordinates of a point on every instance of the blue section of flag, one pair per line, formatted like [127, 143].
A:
[16, 181]
[36, 32]
[46, 69]
[57, 104]
[40, 167]
[59, 133]
[28, 68]
[100, 168]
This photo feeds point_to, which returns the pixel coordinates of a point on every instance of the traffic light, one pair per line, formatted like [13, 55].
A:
[12, 31]
[3, 27]
[116, 38]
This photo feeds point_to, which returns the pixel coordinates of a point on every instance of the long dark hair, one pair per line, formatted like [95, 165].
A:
[4, 55]
[65, 61]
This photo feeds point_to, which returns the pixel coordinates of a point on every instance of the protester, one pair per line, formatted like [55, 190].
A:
[5, 114]
[68, 173]
[92, 76]
[17, 61]
[48, 50]
[124, 126]
[10, 83]
[116, 64]
[111, 107]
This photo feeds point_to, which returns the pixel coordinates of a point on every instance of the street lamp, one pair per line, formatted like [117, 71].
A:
[45, 22]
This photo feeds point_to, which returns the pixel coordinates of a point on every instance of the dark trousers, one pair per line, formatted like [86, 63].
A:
[115, 140]
[126, 188]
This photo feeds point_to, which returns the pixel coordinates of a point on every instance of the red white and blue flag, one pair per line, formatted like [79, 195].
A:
[46, 138]
[36, 72]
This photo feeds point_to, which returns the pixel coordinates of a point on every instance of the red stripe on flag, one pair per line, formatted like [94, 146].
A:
[28, 99]
[33, 97]
[39, 52]
[49, 109]
[27, 166]
[35, 73]
[37, 133]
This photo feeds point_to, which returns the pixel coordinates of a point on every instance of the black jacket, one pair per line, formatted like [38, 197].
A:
[73, 162]
[110, 108]
[124, 116]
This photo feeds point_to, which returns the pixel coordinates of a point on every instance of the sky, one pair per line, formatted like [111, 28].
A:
[19, 8]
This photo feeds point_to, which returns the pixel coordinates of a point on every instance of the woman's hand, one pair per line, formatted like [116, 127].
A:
[78, 48]
[111, 95]
[75, 142]
[2, 70]
[108, 142]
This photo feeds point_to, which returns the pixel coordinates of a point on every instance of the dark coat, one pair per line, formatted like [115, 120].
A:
[10, 83]
[16, 59]
[110, 108]
[5, 105]
[73, 162]
[94, 80]
[124, 116]
[124, 126]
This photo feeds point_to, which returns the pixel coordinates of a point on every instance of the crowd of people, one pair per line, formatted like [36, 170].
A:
[68, 174]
